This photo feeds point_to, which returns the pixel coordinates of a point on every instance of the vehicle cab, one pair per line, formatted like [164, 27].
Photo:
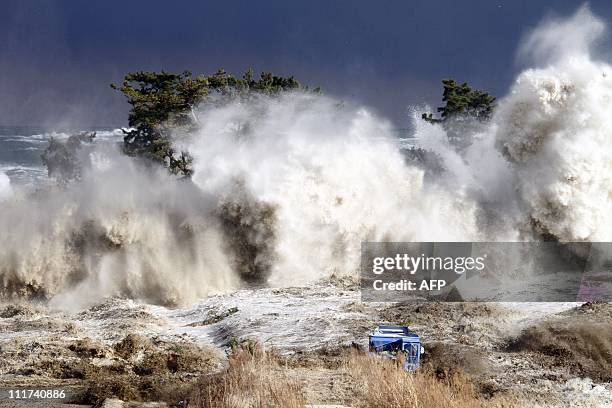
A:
[392, 340]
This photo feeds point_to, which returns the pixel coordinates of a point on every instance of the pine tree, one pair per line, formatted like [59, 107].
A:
[163, 101]
[462, 101]
[464, 110]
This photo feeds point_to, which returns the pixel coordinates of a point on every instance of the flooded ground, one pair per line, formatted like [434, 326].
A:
[554, 354]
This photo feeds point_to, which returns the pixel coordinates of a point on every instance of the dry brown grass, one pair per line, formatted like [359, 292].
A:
[253, 379]
[256, 379]
[381, 382]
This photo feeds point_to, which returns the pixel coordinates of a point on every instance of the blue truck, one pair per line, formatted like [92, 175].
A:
[393, 340]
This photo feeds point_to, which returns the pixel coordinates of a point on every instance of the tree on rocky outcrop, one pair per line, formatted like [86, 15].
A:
[163, 101]
[465, 108]
[462, 101]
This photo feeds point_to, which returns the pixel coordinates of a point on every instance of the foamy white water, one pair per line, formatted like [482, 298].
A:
[5, 186]
[301, 180]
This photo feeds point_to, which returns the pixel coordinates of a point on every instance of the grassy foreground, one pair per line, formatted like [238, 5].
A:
[255, 378]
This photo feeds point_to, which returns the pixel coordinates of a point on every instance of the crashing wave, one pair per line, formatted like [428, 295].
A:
[285, 190]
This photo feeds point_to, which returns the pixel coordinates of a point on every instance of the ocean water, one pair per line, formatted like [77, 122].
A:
[21, 148]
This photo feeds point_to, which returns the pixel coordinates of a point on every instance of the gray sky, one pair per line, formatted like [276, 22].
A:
[57, 58]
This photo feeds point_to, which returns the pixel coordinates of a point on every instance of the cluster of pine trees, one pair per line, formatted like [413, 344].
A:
[162, 102]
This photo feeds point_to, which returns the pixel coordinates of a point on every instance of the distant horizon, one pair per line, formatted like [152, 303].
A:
[50, 127]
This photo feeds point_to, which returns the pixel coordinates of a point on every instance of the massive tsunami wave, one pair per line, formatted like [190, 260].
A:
[285, 189]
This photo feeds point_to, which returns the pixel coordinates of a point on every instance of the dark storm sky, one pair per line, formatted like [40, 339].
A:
[58, 57]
